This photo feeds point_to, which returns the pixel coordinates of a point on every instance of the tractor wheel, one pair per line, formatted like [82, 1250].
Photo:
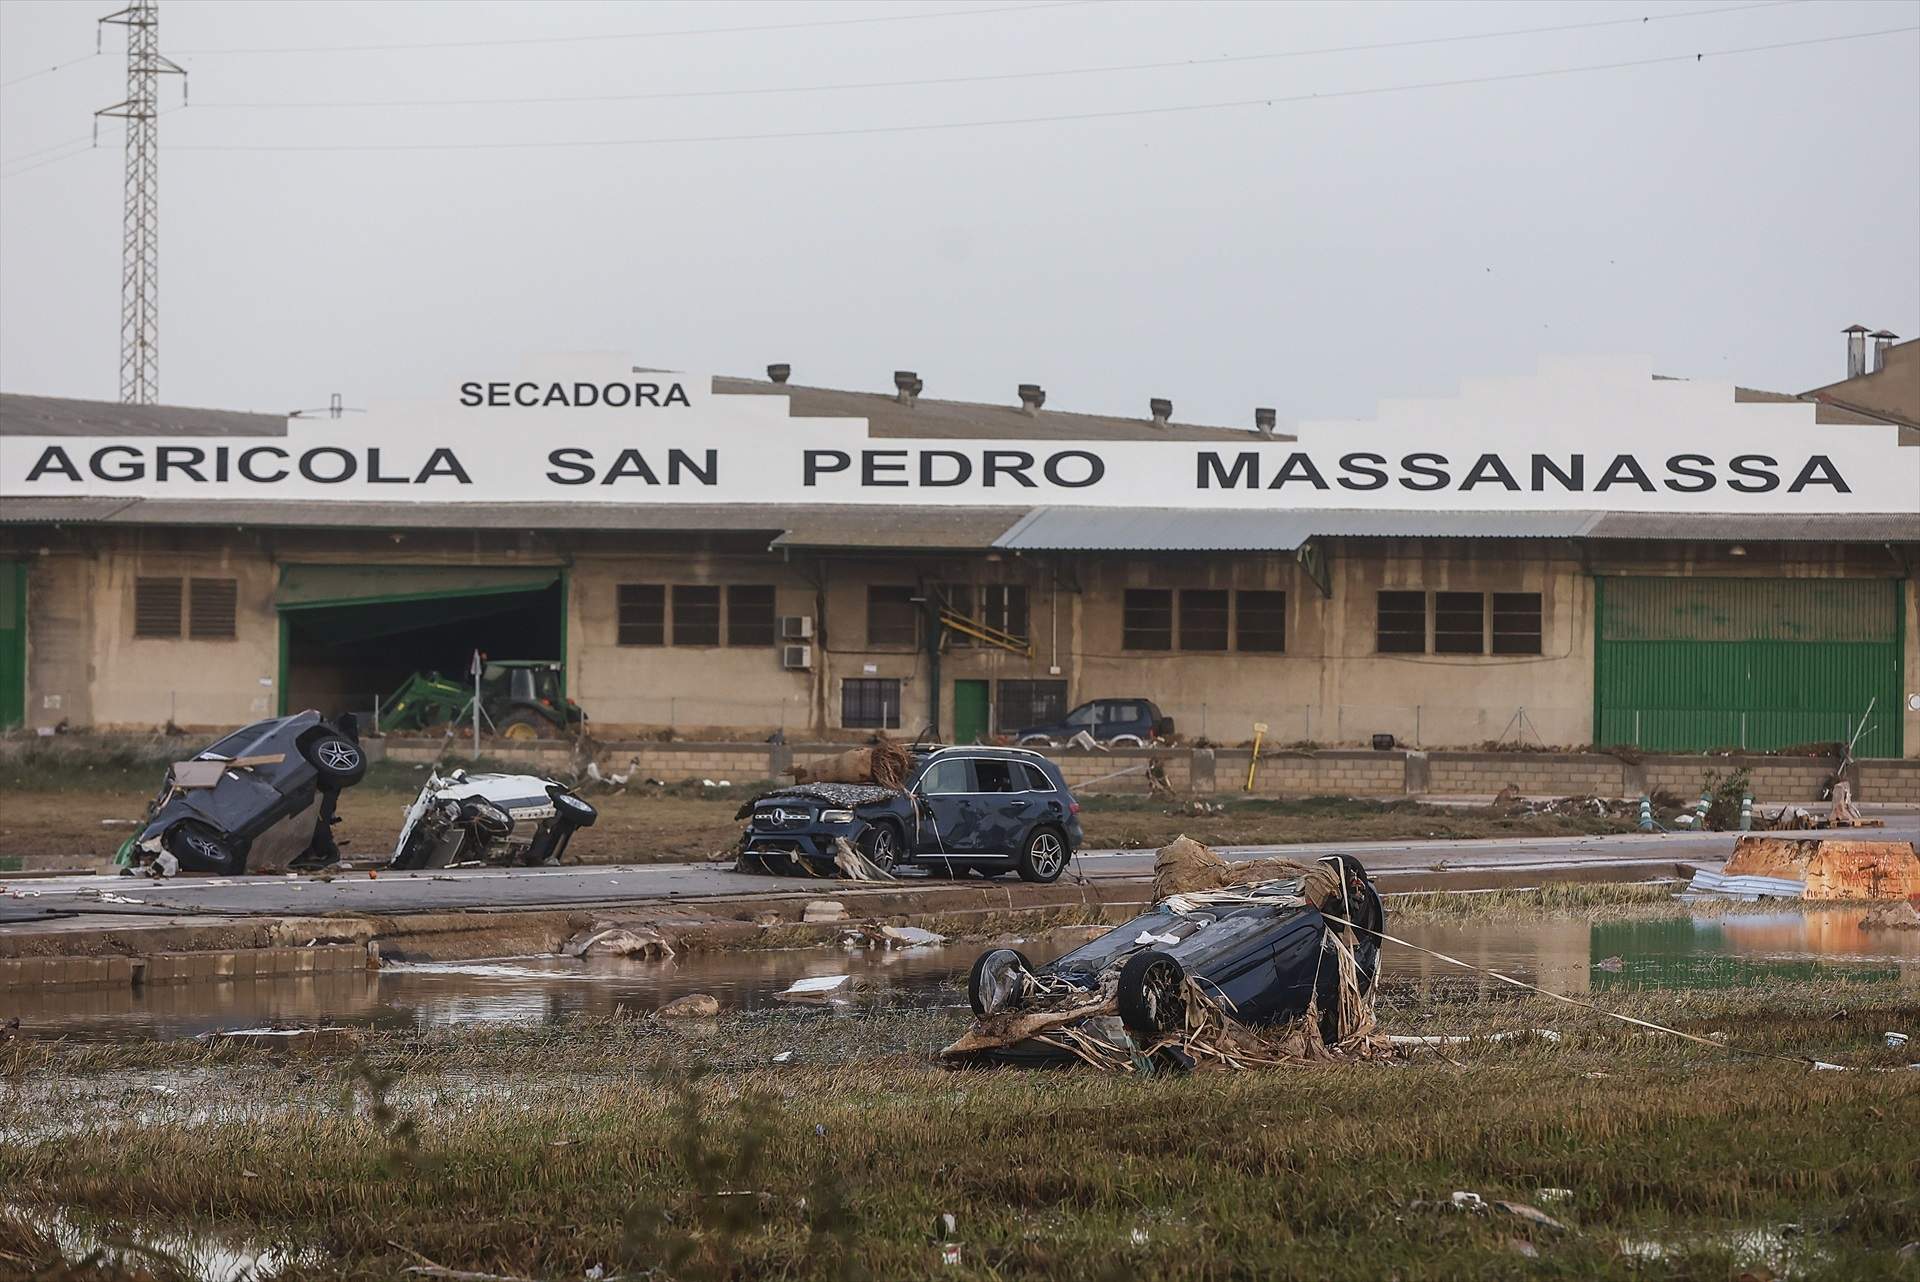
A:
[524, 726]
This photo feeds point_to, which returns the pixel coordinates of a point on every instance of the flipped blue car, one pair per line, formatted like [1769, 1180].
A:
[982, 809]
[1262, 951]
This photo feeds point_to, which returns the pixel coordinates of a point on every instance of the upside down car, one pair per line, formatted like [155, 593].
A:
[1264, 952]
[490, 818]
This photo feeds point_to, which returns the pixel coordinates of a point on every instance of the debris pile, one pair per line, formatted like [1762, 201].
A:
[885, 764]
[1819, 868]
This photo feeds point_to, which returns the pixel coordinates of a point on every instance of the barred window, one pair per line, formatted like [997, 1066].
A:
[643, 614]
[696, 615]
[1203, 619]
[1402, 625]
[210, 613]
[1146, 621]
[1030, 703]
[156, 607]
[749, 615]
[893, 617]
[1516, 623]
[1459, 623]
[870, 703]
[1261, 624]
[1004, 606]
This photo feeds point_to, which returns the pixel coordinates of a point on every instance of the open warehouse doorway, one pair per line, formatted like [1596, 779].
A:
[351, 635]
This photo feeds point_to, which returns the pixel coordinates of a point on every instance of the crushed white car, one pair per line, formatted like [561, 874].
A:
[458, 818]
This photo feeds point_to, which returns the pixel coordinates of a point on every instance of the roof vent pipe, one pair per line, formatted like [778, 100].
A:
[1882, 340]
[1162, 410]
[906, 386]
[1856, 350]
[779, 373]
[1032, 397]
[1265, 420]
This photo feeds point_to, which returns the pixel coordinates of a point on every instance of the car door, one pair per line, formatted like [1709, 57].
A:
[1000, 791]
[946, 792]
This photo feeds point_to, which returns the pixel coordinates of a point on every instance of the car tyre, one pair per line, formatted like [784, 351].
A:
[880, 843]
[1152, 994]
[994, 959]
[340, 761]
[1036, 741]
[200, 848]
[1126, 741]
[1045, 856]
[576, 812]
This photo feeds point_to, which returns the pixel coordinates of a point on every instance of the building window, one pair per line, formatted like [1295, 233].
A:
[1030, 703]
[643, 614]
[1516, 623]
[1203, 619]
[156, 607]
[893, 617]
[210, 609]
[749, 615]
[1004, 606]
[1459, 623]
[696, 615]
[959, 600]
[1261, 621]
[1146, 621]
[1403, 623]
[870, 703]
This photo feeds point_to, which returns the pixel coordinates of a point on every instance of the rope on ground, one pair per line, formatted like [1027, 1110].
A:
[1574, 1001]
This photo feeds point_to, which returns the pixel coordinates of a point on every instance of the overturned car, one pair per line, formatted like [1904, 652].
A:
[1242, 971]
[460, 818]
[240, 801]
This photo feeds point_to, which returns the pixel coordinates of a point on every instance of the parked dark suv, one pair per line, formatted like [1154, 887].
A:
[1118, 722]
[986, 810]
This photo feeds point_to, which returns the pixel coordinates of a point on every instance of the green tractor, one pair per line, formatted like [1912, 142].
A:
[519, 699]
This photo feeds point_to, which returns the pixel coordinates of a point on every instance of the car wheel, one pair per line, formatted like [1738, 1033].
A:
[524, 727]
[577, 813]
[1036, 741]
[994, 983]
[339, 760]
[881, 845]
[1045, 856]
[201, 849]
[1126, 741]
[1152, 993]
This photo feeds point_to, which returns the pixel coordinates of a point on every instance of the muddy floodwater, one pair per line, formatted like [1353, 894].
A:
[1567, 956]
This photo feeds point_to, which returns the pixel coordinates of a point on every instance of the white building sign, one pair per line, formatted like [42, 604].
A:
[1578, 435]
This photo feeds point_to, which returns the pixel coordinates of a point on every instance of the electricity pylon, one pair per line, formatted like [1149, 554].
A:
[140, 233]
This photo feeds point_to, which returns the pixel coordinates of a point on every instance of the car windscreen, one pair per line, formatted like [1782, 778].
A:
[1087, 714]
[235, 744]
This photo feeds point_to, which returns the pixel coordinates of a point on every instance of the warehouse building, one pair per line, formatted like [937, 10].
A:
[826, 563]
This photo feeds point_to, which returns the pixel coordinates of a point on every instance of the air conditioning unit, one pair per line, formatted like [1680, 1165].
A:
[798, 658]
[796, 627]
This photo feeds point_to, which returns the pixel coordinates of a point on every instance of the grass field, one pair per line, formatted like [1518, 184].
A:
[540, 1152]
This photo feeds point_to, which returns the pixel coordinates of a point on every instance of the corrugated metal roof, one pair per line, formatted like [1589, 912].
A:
[61, 416]
[916, 528]
[59, 511]
[1851, 527]
[957, 420]
[1229, 530]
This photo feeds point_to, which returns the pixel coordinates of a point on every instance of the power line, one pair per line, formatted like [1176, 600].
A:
[645, 35]
[1116, 114]
[47, 71]
[995, 77]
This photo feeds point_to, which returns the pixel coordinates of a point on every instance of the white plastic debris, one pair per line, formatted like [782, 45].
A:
[1469, 1201]
[911, 936]
[1148, 937]
[814, 988]
[784, 1057]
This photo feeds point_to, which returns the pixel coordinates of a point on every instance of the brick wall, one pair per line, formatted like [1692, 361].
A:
[1542, 774]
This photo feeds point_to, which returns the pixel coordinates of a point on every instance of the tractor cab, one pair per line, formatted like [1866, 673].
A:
[527, 698]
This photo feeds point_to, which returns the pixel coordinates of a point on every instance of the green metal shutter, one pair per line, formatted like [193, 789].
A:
[13, 643]
[1685, 665]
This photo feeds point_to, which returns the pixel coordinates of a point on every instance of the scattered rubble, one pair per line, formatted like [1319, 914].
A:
[605, 940]
[820, 911]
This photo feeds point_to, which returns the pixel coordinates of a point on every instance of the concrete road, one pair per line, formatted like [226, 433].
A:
[1397, 864]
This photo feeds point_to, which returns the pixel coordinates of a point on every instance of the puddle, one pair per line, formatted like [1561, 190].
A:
[204, 1257]
[1566, 956]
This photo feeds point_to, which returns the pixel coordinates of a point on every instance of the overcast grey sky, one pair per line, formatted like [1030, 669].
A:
[1726, 216]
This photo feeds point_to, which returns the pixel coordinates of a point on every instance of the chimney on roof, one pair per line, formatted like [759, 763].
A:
[1856, 350]
[1161, 409]
[779, 373]
[1032, 397]
[1882, 340]
[906, 386]
[1265, 420]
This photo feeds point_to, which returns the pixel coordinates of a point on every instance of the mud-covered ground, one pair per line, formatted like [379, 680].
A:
[831, 1144]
